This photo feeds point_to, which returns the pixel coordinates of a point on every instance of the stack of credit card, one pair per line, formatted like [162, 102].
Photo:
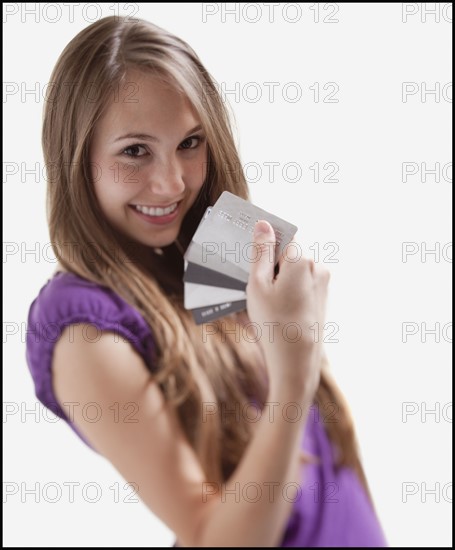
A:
[220, 255]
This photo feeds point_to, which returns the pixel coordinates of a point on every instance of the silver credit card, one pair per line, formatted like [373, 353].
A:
[210, 313]
[217, 262]
[196, 295]
[224, 241]
[195, 273]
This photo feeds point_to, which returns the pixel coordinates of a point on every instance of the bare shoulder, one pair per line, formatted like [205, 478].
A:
[84, 358]
[136, 430]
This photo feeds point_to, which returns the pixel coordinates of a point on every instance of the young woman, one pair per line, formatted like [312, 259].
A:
[231, 440]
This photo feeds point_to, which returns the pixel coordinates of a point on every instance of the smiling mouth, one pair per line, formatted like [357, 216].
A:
[156, 211]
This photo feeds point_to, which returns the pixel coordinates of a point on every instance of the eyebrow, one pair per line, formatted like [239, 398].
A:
[148, 137]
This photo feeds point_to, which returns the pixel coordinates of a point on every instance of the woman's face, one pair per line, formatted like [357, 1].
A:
[148, 154]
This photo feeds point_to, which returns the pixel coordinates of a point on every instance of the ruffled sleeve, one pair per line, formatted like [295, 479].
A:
[67, 299]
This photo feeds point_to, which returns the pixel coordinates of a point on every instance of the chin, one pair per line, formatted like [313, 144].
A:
[162, 241]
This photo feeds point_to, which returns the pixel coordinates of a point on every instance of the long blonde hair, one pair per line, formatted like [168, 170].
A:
[221, 370]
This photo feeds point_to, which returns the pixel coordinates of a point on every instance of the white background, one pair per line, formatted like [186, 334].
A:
[369, 213]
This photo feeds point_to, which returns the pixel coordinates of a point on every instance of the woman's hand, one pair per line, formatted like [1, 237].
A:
[286, 309]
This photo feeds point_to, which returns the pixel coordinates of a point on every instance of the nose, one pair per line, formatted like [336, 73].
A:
[165, 179]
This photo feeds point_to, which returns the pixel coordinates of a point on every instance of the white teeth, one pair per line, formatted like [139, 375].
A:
[150, 211]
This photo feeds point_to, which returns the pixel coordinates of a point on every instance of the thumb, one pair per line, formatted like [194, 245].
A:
[262, 266]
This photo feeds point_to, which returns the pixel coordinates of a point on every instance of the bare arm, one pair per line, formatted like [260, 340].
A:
[154, 453]
[258, 496]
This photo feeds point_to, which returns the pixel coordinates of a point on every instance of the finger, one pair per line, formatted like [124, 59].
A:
[290, 253]
[262, 269]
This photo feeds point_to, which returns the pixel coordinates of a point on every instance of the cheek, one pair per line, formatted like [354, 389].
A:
[115, 183]
[197, 172]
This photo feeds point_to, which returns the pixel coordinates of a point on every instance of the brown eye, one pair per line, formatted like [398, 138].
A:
[191, 142]
[134, 151]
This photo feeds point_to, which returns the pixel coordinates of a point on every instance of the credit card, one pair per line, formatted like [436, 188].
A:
[226, 236]
[196, 295]
[202, 256]
[218, 260]
[195, 273]
[210, 313]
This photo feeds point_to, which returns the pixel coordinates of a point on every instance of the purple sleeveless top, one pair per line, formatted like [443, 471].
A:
[330, 508]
